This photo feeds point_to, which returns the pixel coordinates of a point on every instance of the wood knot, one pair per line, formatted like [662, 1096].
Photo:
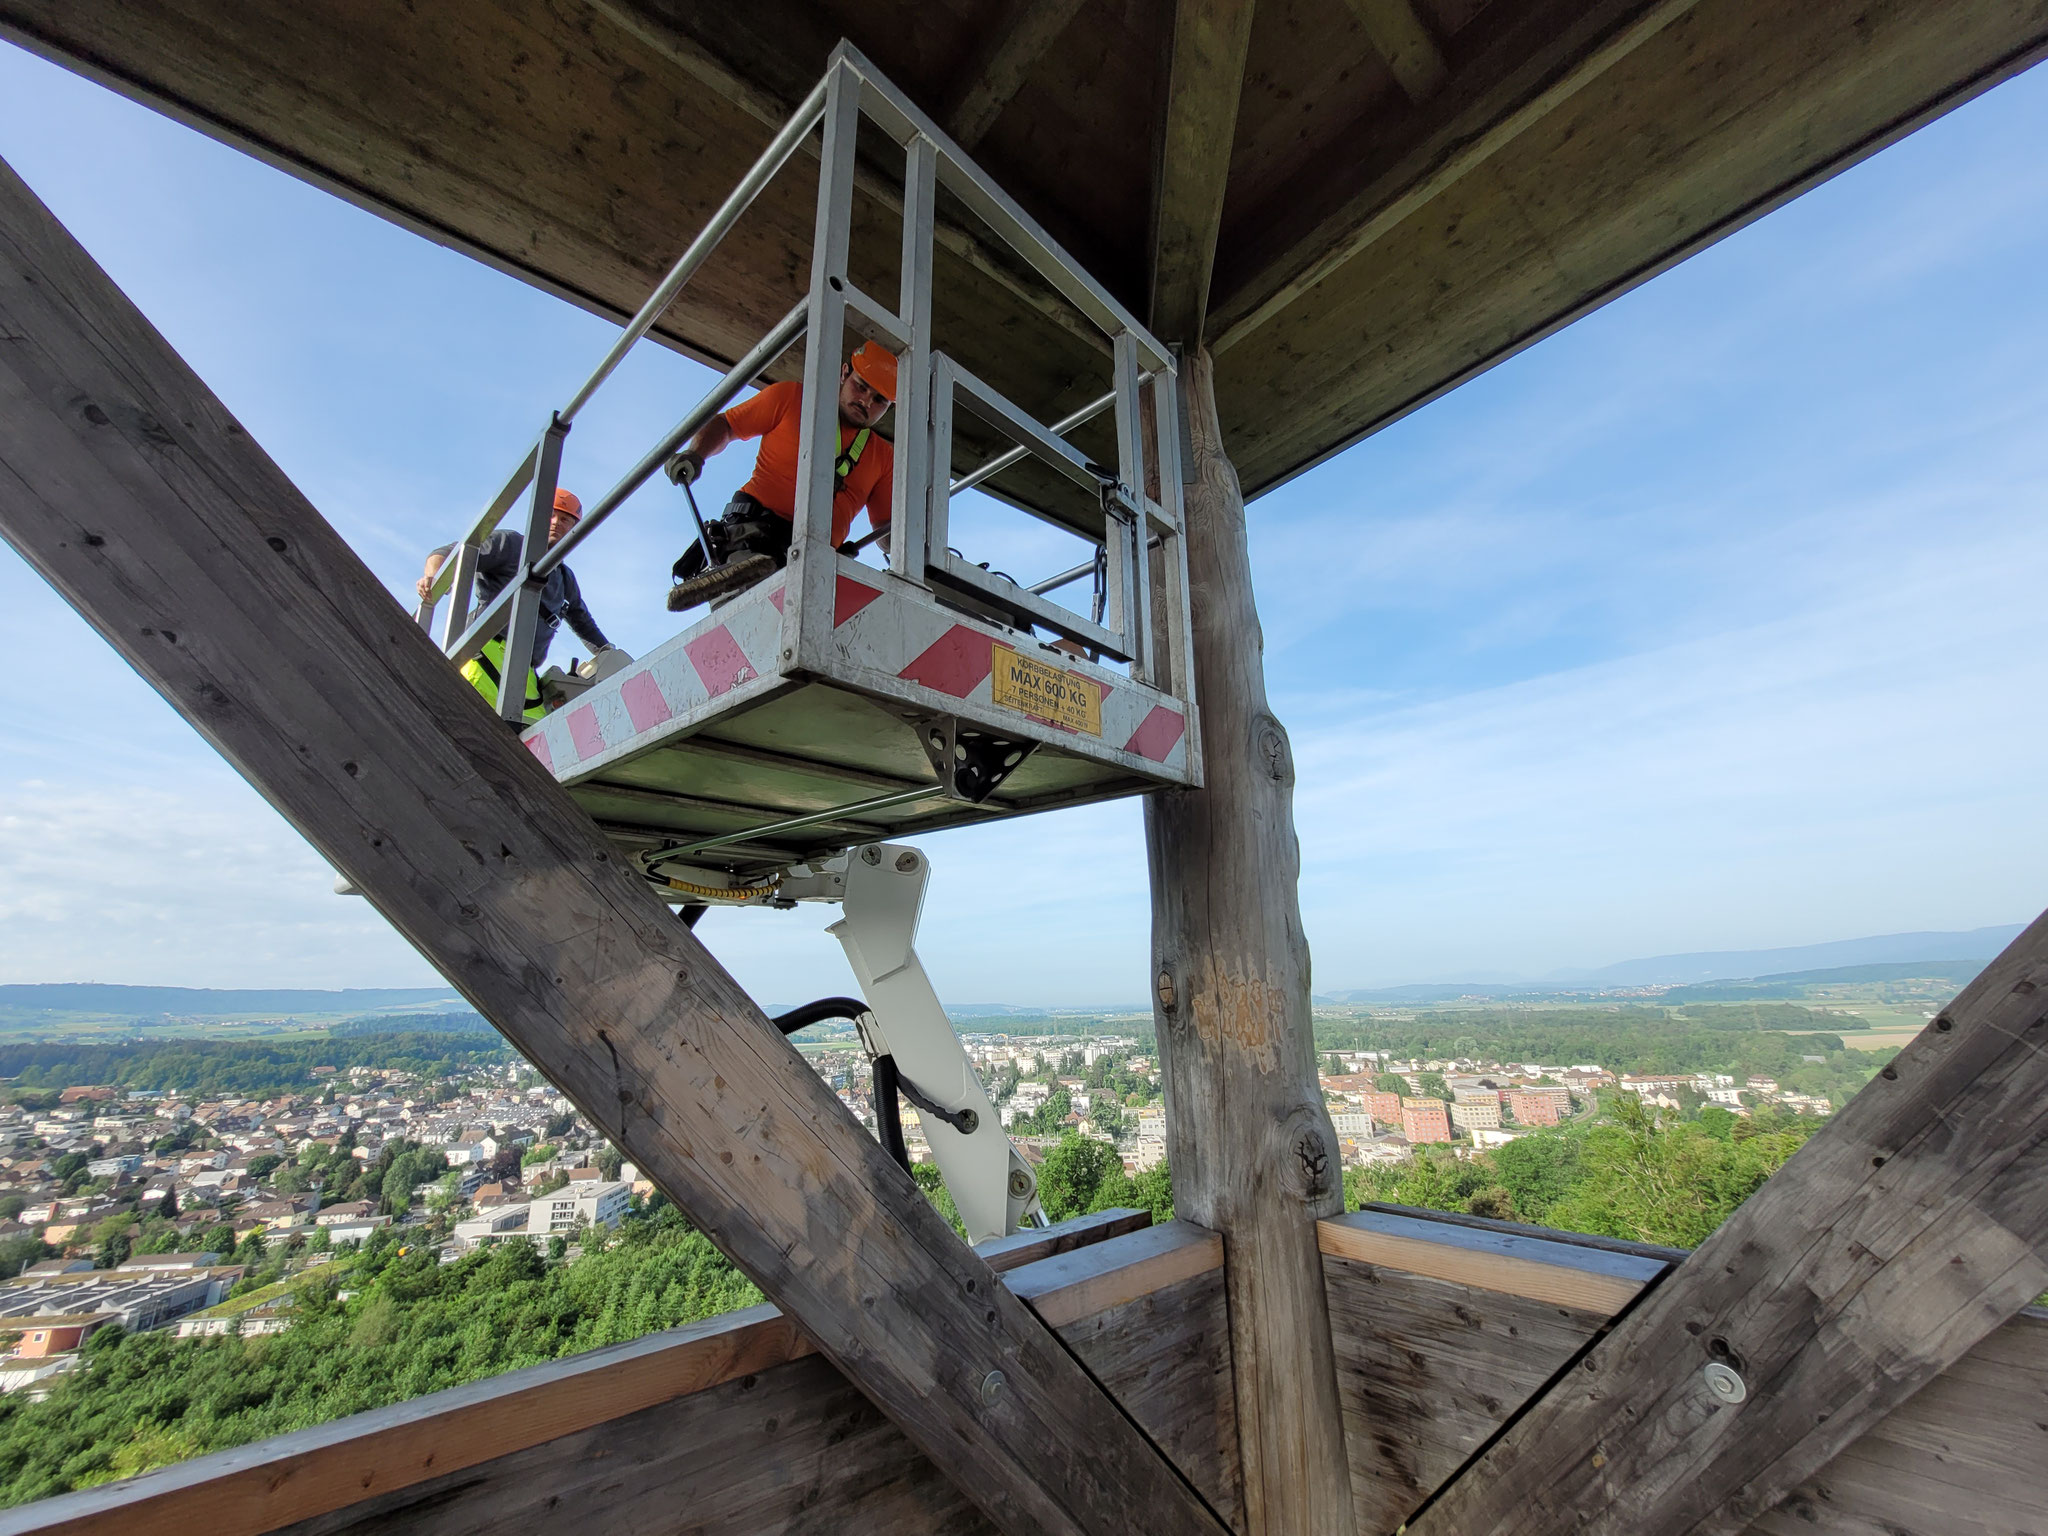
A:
[1274, 752]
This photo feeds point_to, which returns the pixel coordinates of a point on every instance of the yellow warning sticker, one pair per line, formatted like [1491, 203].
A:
[1046, 693]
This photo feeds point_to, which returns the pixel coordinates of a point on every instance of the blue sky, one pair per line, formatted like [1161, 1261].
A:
[1712, 622]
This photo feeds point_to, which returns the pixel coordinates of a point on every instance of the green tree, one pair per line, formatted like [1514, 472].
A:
[1433, 1086]
[933, 1183]
[1387, 1082]
[1073, 1173]
[414, 1326]
[110, 1239]
[1107, 1114]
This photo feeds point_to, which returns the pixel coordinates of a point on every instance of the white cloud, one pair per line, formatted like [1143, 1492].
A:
[200, 885]
[1865, 766]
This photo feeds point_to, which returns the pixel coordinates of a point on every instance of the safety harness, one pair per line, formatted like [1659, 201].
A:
[850, 456]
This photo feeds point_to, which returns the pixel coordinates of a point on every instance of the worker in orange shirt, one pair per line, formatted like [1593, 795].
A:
[752, 538]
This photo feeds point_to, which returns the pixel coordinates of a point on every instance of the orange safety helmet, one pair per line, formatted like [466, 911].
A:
[876, 365]
[567, 504]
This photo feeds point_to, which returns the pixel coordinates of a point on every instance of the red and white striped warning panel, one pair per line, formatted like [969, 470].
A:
[889, 640]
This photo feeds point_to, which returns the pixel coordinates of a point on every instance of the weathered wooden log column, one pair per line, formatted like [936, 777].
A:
[1253, 1152]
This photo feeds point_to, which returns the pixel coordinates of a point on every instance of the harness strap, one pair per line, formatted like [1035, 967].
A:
[850, 455]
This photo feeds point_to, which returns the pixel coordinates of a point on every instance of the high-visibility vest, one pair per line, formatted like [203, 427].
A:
[484, 670]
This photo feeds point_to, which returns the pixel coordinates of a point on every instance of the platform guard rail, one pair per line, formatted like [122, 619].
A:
[1140, 614]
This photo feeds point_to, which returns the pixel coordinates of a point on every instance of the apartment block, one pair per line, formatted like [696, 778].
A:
[1424, 1120]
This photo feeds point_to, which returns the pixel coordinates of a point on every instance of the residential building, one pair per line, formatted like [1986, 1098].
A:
[575, 1205]
[494, 1225]
[1383, 1107]
[138, 1300]
[357, 1230]
[347, 1212]
[1424, 1120]
[1531, 1108]
[1476, 1114]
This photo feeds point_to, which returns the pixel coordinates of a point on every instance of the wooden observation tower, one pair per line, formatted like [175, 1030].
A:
[1176, 253]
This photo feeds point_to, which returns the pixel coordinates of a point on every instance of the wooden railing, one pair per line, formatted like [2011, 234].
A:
[1445, 1326]
[730, 1425]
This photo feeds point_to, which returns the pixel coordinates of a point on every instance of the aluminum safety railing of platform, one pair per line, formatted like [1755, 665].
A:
[837, 703]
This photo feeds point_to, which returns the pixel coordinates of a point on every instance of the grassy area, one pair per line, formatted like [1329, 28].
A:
[251, 1300]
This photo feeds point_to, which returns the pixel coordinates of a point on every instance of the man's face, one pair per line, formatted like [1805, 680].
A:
[860, 403]
[559, 523]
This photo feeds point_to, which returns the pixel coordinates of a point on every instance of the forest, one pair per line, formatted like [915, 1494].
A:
[246, 1068]
[1632, 1174]
[412, 1325]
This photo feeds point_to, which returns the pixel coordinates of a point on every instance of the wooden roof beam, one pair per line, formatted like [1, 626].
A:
[1211, 39]
[1531, 70]
[1001, 65]
[1903, 1233]
[131, 489]
[1401, 37]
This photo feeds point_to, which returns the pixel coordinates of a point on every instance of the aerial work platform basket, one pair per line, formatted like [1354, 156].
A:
[837, 702]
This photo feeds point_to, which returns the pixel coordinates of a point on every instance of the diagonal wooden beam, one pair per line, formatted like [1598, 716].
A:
[1000, 65]
[1403, 39]
[141, 500]
[1210, 41]
[1903, 1233]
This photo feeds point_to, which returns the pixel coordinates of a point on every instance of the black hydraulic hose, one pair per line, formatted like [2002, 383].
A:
[888, 1113]
[816, 1013]
[962, 1120]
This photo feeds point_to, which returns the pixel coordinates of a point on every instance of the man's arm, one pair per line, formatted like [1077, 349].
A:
[711, 438]
[754, 416]
[434, 563]
[578, 615]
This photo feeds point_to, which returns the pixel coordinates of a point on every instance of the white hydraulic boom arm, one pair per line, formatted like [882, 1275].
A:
[990, 1182]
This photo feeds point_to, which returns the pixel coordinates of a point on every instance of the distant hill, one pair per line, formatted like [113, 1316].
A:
[107, 1000]
[1800, 983]
[1735, 975]
[1978, 944]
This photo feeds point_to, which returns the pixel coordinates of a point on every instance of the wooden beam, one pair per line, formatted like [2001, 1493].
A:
[1902, 1234]
[1438, 1340]
[1728, 112]
[1211, 39]
[140, 499]
[1068, 1287]
[1587, 1279]
[1431, 1367]
[288, 1478]
[1033, 1244]
[1002, 63]
[1529, 73]
[1402, 38]
[1254, 1154]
